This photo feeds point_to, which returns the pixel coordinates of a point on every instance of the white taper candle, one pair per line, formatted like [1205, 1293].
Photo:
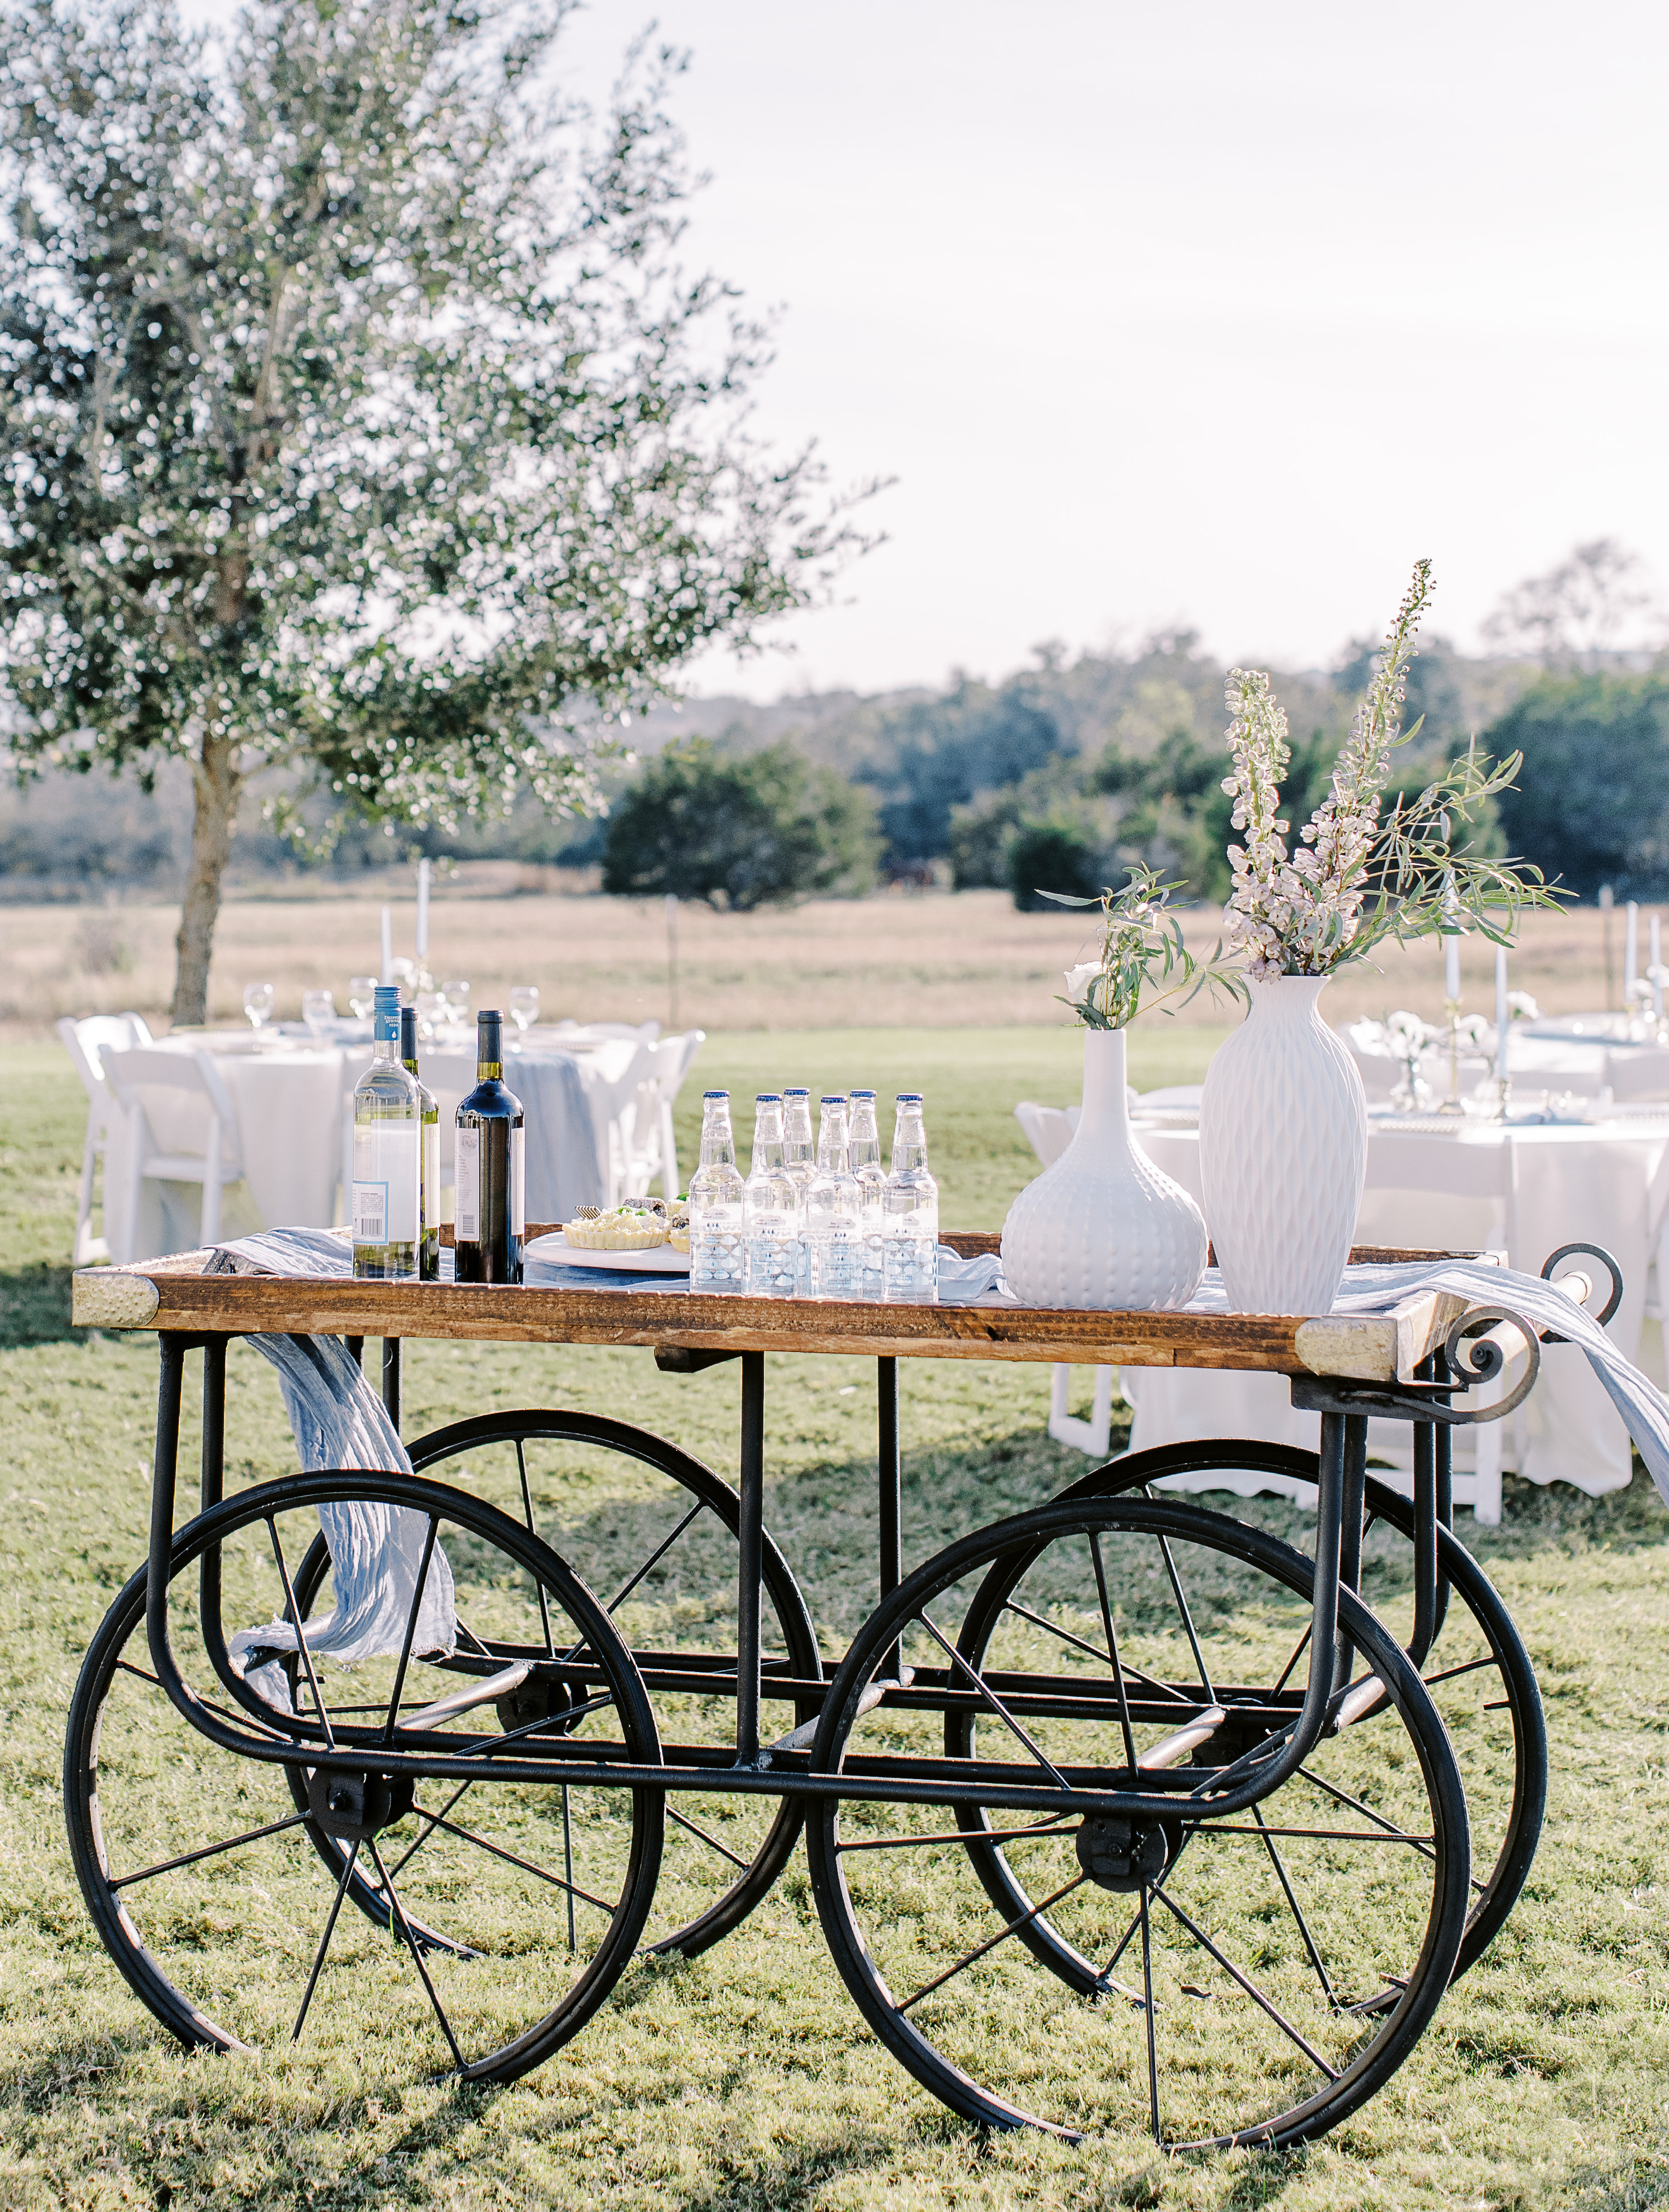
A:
[1452, 969]
[387, 974]
[1630, 952]
[422, 909]
[1657, 968]
[1502, 1019]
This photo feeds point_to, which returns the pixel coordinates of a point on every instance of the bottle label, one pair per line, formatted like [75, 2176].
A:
[518, 1182]
[468, 1225]
[384, 1195]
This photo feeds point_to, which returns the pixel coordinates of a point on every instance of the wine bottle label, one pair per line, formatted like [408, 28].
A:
[469, 1186]
[431, 1176]
[384, 1195]
[518, 1182]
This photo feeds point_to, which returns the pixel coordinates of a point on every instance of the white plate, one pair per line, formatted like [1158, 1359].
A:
[556, 1252]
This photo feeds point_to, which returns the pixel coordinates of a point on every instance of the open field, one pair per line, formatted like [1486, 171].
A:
[936, 961]
[745, 2079]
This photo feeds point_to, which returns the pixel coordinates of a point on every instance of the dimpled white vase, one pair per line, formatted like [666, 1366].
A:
[1283, 1152]
[1103, 1227]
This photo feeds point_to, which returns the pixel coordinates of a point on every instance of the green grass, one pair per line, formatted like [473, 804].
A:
[746, 2078]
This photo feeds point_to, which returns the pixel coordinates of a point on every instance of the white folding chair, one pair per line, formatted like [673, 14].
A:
[86, 1042]
[1049, 1130]
[184, 1092]
[1644, 1073]
[643, 1138]
[1421, 1177]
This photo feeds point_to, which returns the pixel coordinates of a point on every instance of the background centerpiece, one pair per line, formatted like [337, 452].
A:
[1103, 1227]
[1283, 1123]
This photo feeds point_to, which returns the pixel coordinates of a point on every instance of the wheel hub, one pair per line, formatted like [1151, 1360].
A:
[1123, 1854]
[356, 1807]
[545, 1696]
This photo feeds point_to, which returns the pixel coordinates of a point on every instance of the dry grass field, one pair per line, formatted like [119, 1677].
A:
[931, 961]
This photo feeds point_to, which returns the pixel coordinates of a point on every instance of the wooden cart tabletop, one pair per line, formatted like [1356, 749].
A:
[177, 1294]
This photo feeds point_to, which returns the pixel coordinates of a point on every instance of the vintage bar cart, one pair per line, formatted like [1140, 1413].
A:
[1118, 1812]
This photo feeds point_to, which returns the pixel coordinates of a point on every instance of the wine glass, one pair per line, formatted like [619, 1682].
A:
[318, 1010]
[363, 996]
[456, 999]
[258, 1001]
[431, 1012]
[524, 1009]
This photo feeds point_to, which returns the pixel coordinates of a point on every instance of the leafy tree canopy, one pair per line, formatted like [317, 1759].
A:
[765, 829]
[356, 412]
[1592, 805]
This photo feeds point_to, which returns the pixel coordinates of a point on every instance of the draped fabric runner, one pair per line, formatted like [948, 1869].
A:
[339, 1421]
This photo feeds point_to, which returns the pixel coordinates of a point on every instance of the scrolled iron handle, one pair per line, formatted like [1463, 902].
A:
[1594, 1252]
[1474, 1358]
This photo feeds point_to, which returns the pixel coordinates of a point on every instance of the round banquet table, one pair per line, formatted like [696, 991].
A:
[293, 1102]
[1525, 1188]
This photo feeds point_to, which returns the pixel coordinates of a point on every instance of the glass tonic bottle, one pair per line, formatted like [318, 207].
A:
[799, 1157]
[864, 1150]
[909, 1242]
[834, 1211]
[718, 1251]
[773, 1206]
[428, 1186]
[387, 1155]
[491, 1154]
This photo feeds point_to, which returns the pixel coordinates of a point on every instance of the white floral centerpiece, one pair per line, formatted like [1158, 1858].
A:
[1283, 1119]
[1102, 1226]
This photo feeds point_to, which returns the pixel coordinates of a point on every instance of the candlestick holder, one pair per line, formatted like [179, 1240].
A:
[1452, 1103]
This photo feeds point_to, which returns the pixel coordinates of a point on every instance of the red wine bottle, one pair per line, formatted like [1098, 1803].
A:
[492, 1168]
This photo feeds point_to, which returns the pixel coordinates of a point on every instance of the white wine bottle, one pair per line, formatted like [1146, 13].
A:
[492, 1168]
[428, 1208]
[387, 1155]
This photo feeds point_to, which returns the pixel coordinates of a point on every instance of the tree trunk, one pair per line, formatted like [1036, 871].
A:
[217, 786]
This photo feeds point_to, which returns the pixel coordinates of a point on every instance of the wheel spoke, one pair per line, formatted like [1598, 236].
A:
[996, 1704]
[413, 1945]
[545, 1601]
[1053, 1826]
[209, 1852]
[1389, 1827]
[1248, 1985]
[300, 1632]
[712, 1842]
[1187, 1620]
[511, 1859]
[1002, 1935]
[1471, 1668]
[412, 1849]
[1148, 1681]
[411, 1630]
[1148, 2022]
[1322, 1974]
[1113, 1647]
[325, 1943]
[1298, 1652]
[567, 1866]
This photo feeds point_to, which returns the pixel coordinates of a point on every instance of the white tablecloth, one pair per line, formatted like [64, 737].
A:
[1527, 1189]
[294, 1107]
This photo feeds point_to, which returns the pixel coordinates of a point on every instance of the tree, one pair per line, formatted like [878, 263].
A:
[767, 828]
[356, 416]
[1583, 609]
[1592, 805]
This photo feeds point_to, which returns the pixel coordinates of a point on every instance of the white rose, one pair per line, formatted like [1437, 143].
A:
[1079, 981]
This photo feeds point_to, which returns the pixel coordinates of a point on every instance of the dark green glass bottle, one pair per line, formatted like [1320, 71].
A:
[492, 1168]
[429, 1209]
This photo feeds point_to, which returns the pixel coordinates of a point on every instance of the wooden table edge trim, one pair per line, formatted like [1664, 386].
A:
[174, 1293]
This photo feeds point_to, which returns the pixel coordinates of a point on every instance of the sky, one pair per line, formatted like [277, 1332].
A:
[1218, 315]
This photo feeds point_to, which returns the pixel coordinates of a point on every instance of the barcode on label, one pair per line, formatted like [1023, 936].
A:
[370, 1213]
[469, 1185]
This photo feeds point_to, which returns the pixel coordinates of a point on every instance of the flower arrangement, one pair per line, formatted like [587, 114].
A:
[1355, 879]
[1142, 948]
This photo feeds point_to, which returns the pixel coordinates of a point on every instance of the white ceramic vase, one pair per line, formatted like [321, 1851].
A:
[1103, 1227]
[1283, 1152]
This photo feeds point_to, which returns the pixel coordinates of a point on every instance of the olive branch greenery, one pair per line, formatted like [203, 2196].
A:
[1142, 948]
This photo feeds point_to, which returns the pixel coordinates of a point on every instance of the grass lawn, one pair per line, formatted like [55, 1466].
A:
[745, 2078]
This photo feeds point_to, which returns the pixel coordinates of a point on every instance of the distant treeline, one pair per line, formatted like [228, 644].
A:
[1058, 779]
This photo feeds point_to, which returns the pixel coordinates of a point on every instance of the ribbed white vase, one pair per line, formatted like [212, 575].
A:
[1283, 1152]
[1103, 1227]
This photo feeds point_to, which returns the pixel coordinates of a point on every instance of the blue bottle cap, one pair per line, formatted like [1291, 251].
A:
[908, 1098]
[861, 1094]
[767, 1098]
[715, 1094]
[796, 1091]
[385, 998]
[832, 1098]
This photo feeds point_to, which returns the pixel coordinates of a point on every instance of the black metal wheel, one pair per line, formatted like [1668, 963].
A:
[1478, 1673]
[496, 1914]
[1251, 1977]
[653, 1532]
